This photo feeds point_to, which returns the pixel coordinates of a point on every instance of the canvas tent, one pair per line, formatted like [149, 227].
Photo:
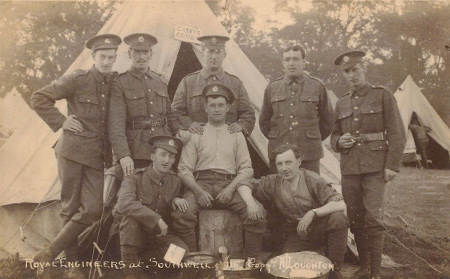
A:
[410, 99]
[27, 161]
[13, 110]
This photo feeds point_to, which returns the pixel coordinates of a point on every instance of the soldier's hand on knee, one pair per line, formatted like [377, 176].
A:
[196, 128]
[163, 227]
[389, 175]
[303, 224]
[346, 140]
[225, 195]
[127, 165]
[180, 203]
[72, 124]
[204, 198]
[234, 128]
[254, 211]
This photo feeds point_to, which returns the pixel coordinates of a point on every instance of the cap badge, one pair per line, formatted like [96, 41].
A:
[215, 88]
[171, 143]
[107, 41]
[141, 39]
[214, 40]
[345, 58]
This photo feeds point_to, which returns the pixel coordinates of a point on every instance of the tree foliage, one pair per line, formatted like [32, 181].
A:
[401, 38]
[40, 40]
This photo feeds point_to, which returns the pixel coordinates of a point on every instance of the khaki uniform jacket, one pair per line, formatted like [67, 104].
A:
[136, 97]
[297, 112]
[188, 101]
[87, 94]
[372, 109]
[146, 198]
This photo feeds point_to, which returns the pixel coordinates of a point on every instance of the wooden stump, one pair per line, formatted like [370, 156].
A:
[221, 228]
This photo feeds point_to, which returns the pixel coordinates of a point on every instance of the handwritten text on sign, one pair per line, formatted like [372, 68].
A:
[187, 34]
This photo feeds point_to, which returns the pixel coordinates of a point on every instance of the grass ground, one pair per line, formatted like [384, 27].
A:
[418, 225]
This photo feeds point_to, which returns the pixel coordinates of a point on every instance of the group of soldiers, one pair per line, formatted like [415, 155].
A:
[127, 121]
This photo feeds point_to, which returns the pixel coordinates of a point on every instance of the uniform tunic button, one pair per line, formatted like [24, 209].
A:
[151, 115]
[134, 97]
[103, 108]
[149, 90]
[145, 77]
[151, 103]
[292, 104]
[152, 129]
[103, 82]
[356, 119]
[140, 199]
[355, 107]
[293, 93]
[103, 95]
[291, 116]
[88, 100]
[281, 114]
[290, 128]
[356, 97]
[359, 144]
[357, 132]
[371, 111]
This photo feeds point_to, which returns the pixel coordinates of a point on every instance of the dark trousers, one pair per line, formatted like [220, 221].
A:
[212, 182]
[81, 202]
[312, 165]
[133, 233]
[329, 231]
[364, 196]
[422, 145]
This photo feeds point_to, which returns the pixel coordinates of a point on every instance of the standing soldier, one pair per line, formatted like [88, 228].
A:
[139, 106]
[83, 150]
[296, 111]
[189, 103]
[369, 134]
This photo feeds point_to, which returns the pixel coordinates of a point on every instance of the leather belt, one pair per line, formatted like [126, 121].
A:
[146, 124]
[202, 173]
[370, 137]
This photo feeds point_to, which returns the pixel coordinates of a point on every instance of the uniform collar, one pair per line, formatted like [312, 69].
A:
[139, 74]
[154, 176]
[206, 74]
[363, 90]
[97, 75]
[299, 79]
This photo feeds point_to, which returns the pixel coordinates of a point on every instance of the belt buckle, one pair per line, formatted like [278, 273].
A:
[359, 139]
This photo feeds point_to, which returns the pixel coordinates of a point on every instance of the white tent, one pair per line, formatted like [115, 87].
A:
[27, 161]
[13, 110]
[410, 99]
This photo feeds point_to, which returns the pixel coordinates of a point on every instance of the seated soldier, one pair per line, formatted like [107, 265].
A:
[211, 165]
[144, 203]
[302, 196]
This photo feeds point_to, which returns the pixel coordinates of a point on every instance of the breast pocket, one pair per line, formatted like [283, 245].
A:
[344, 118]
[196, 103]
[89, 106]
[372, 117]
[309, 107]
[136, 102]
[159, 104]
[278, 103]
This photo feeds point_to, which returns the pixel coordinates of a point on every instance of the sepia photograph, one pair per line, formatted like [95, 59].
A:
[225, 139]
